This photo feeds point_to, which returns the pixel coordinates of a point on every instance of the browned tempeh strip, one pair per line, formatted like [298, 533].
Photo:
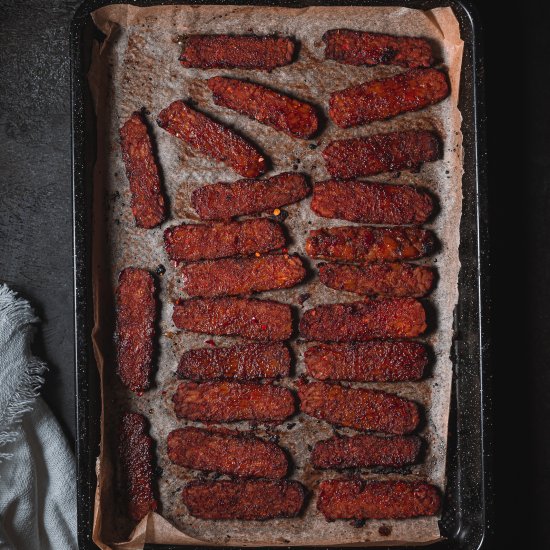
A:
[242, 362]
[362, 157]
[244, 500]
[227, 452]
[221, 201]
[142, 171]
[135, 327]
[379, 279]
[277, 110]
[232, 402]
[388, 97]
[191, 242]
[364, 202]
[136, 462]
[362, 321]
[358, 408]
[378, 361]
[358, 499]
[222, 51]
[242, 276]
[368, 48]
[368, 244]
[212, 139]
[262, 320]
[364, 451]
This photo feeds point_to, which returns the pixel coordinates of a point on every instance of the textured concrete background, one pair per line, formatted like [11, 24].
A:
[35, 184]
[36, 239]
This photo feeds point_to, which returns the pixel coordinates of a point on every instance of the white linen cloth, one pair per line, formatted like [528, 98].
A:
[37, 468]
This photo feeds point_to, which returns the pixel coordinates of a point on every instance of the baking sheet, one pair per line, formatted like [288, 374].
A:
[136, 66]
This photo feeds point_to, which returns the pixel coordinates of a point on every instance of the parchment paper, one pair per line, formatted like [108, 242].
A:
[137, 66]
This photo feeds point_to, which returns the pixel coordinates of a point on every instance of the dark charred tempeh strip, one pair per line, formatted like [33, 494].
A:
[274, 109]
[377, 203]
[233, 402]
[226, 452]
[362, 157]
[135, 327]
[221, 201]
[364, 451]
[384, 361]
[358, 499]
[192, 242]
[243, 362]
[142, 171]
[367, 244]
[242, 276]
[368, 48]
[244, 500]
[362, 321]
[358, 408]
[222, 51]
[136, 462]
[263, 320]
[391, 279]
[388, 97]
[212, 139]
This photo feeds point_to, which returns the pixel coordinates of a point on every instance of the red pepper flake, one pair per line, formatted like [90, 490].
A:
[264, 327]
[139, 393]
[210, 342]
[285, 250]
[163, 392]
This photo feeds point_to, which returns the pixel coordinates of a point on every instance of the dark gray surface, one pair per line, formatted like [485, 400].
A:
[35, 183]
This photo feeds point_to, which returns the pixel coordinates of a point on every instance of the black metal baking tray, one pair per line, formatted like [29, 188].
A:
[466, 520]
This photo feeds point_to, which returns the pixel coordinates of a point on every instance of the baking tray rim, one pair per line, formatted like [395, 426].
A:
[86, 381]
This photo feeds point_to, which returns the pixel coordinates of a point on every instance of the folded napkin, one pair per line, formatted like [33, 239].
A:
[37, 469]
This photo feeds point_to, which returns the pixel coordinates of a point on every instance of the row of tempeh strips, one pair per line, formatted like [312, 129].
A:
[375, 100]
[227, 259]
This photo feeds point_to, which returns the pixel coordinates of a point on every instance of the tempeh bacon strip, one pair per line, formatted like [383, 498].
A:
[148, 205]
[364, 451]
[359, 499]
[233, 402]
[135, 327]
[242, 276]
[377, 361]
[368, 244]
[376, 203]
[212, 139]
[222, 201]
[192, 242]
[262, 320]
[241, 362]
[222, 51]
[389, 279]
[244, 500]
[368, 48]
[363, 157]
[279, 111]
[358, 408]
[226, 452]
[388, 97]
[136, 461]
[363, 321]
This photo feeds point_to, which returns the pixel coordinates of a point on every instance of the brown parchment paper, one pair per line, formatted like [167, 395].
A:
[137, 66]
